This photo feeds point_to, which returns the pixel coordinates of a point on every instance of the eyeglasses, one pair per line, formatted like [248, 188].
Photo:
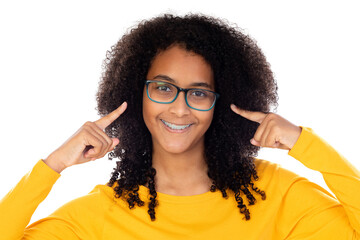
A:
[195, 98]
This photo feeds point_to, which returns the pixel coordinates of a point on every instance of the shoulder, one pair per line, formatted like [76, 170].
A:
[267, 169]
[274, 178]
[83, 217]
[93, 204]
[277, 180]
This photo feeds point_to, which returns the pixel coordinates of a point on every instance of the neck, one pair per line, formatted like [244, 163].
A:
[181, 174]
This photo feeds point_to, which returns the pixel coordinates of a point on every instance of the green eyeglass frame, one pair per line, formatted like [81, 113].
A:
[185, 90]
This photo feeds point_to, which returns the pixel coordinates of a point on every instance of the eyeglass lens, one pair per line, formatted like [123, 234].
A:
[166, 93]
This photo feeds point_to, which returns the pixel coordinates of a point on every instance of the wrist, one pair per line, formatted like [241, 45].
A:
[54, 164]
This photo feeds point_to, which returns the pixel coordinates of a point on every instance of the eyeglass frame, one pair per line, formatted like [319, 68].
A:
[185, 90]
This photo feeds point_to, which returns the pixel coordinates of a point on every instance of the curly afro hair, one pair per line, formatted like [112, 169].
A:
[242, 76]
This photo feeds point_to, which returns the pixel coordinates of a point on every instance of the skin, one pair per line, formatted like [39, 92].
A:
[274, 131]
[87, 144]
[177, 157]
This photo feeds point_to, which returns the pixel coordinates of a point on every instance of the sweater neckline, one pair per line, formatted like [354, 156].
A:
[163, 197]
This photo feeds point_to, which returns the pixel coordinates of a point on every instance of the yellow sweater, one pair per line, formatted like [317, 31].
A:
[294, 208]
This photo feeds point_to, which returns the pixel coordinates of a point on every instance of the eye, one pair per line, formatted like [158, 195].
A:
[163, 87]
[199, 93]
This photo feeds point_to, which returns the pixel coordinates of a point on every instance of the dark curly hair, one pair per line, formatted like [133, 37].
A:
[242, 76]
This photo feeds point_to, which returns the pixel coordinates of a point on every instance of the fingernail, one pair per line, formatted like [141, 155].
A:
[122, 104]
[116, 141]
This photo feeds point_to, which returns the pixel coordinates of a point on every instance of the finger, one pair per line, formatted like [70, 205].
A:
[254, 142]
[93, 146]
[97, 143]
[252, 116]
[93, 129]
[260, 131]
[270, 139]
[274, 141]
[266, 138]
[105, 121]
[105, 141]
[110, 142]
[103, 136]
[115, 142]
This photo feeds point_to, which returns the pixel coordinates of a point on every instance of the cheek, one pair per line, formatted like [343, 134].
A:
[210, 120]
[207, 119]
[146, 109]
[150, 111]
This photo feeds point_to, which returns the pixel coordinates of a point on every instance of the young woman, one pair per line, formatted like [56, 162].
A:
[185, 104]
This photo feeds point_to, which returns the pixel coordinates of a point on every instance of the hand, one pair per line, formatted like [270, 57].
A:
[89, 143]
[273, 132]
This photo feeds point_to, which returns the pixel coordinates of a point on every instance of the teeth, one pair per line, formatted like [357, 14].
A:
[175, 127]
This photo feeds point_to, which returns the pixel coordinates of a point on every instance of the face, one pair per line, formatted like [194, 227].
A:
[165, 121]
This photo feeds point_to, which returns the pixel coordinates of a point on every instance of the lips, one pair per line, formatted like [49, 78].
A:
[176, 127]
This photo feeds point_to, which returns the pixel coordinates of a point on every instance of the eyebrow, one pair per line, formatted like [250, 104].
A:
[196, 84]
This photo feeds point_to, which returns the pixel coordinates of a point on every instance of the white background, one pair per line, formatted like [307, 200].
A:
[50, 64]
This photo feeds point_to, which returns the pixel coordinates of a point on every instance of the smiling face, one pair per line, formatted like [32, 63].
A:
[175, 127]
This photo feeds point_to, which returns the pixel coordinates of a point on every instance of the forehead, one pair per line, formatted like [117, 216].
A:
[184, 67]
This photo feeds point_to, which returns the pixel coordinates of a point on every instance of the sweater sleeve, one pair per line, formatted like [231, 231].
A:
[309, 211]
[20, 203]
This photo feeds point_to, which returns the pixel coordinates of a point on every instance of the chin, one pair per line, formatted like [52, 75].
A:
[175, 148]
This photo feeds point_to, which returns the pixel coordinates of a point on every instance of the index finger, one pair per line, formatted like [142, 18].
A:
[252, 116]
[108, 119]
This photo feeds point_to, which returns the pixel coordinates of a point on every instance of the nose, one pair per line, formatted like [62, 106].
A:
[179, 106]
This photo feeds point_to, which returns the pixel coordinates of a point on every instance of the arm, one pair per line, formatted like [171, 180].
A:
[16, 208]
[81, 218]
[314, 210]
[20, 203]
[307, 210]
